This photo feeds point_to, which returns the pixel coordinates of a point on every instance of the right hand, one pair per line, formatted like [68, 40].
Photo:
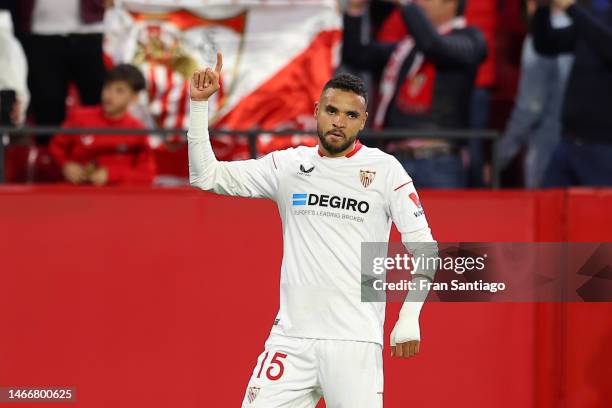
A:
[205, 82]
[74, 173]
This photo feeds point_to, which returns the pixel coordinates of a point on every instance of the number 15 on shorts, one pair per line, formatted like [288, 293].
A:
[274, 368]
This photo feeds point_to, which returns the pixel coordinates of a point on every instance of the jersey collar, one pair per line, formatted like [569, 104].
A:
[357, 147]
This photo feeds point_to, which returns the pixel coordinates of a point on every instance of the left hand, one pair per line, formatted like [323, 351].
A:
[405, 350]
[563, 4]
[99, 177]
[406, 337]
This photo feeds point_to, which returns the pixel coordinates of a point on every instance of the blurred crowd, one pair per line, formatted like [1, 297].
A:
[538, 71]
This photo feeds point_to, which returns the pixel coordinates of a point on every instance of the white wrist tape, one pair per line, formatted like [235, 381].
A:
[407, 326]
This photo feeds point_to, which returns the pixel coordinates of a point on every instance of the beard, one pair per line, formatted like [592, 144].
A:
[334, 148]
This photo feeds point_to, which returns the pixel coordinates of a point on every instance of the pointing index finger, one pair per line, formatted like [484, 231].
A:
[219, 62]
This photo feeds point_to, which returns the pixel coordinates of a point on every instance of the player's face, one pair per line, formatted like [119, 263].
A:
[117, 97]
[340, 116]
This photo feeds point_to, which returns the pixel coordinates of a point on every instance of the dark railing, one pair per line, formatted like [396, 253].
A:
[366, 136]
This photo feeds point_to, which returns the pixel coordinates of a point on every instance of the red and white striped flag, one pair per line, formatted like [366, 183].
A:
[277, 54]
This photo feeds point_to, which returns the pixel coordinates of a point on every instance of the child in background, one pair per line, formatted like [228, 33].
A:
[107, 159]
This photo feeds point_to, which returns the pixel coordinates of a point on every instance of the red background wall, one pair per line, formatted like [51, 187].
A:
[159, 298]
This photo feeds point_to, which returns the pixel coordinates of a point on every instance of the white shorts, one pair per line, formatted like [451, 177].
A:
[294, 372]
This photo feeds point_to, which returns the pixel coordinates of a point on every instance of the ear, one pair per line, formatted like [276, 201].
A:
[316, 109]
[363, 121]
[135, 98]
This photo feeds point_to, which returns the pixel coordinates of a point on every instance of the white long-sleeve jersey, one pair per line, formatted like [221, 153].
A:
[328, 206]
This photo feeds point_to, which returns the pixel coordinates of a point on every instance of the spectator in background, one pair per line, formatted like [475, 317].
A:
[63, 43]
[584, 155]
[14, 70]
[107, 159]
[536, 119]
[483, 15]
[427, 83]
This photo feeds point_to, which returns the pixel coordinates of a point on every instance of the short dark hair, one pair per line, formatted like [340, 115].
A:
[461, 5]
[127, 73]
[348, 82]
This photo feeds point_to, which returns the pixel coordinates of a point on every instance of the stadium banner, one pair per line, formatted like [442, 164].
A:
[150, 325]
[487, 272]
[277, 55]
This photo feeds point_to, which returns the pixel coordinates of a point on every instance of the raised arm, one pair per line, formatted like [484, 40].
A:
[371, 56]
[459, 49]
[245, 178]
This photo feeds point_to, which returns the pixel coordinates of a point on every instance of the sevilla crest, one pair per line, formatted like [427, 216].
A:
[366, 177]
[252, 394]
